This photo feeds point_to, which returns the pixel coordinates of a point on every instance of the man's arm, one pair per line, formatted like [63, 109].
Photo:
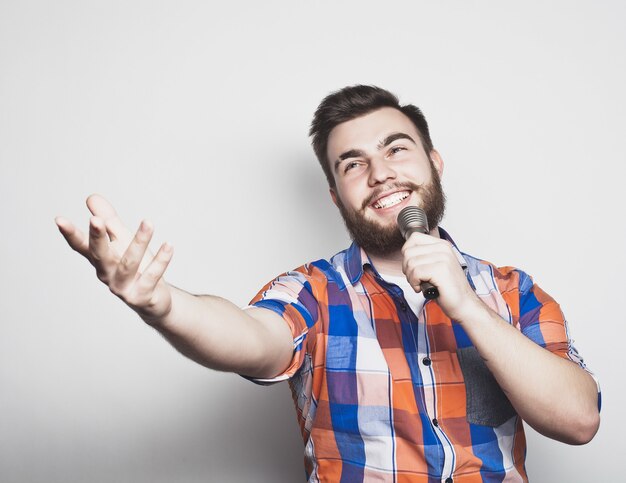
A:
[207, 329]
[554, 395]
[217, 334]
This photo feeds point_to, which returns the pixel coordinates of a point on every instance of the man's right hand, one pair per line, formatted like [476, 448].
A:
[123, 261]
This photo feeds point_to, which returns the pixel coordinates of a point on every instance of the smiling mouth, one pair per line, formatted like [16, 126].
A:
[390, 200]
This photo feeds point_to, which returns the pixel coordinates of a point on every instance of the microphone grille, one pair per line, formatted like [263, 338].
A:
[412, 218]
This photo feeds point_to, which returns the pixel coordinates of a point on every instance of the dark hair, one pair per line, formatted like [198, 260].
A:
[352, 102]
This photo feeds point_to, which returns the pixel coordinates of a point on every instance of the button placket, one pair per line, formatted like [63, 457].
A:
[417, 323]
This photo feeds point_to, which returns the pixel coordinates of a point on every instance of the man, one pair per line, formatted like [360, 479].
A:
[387, 386]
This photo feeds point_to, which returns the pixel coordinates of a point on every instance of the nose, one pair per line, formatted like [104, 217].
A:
[380, 171]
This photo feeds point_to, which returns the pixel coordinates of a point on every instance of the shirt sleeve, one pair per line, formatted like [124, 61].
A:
[291, 296]
[542, 321]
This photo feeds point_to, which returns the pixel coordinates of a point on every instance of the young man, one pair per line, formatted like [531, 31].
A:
[388, 386]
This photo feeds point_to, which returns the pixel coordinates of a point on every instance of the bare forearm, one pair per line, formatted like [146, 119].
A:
[552, 394]
[217, 334]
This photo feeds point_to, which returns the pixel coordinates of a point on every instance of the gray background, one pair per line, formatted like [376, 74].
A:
[194, 114]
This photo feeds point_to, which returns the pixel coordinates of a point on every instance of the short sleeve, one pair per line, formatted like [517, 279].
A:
[291, 296]
[542, 321]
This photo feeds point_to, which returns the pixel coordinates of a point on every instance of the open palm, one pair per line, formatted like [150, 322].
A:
[122, 260]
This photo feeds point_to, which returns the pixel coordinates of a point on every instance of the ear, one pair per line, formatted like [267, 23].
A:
[437, 161]
[333, 195]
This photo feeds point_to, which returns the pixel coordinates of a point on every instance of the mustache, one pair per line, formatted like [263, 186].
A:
[405, 185]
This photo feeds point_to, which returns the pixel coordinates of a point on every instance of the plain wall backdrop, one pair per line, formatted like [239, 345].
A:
[194, 115]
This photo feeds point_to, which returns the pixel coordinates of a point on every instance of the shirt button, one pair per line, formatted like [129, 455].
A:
[448, 480]
[426, 361]
[435, 422]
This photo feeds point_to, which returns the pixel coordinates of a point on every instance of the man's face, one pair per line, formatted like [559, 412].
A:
[379, 167]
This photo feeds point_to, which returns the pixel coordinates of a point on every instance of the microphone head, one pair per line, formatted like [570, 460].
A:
[410, 219]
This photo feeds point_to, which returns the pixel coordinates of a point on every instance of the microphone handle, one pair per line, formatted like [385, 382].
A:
[429, 291]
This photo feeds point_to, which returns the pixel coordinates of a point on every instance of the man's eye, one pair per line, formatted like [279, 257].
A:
[397, 149]
[350, 165]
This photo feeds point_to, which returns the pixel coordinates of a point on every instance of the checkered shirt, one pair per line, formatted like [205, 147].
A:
[383, 394]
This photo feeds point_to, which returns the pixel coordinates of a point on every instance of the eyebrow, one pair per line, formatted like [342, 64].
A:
[355, 153]
[394, 137]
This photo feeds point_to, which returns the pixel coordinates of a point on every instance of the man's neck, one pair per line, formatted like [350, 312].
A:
[391, 264]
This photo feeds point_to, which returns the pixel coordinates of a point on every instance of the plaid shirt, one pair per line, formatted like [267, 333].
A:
[384, 395]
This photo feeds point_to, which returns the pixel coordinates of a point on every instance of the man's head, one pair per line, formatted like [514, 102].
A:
[378, 157]
[352, 102]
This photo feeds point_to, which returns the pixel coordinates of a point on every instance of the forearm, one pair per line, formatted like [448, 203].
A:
[217, 334]
[554, 395]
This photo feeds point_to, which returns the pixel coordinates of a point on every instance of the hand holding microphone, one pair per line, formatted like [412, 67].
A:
[413, 219]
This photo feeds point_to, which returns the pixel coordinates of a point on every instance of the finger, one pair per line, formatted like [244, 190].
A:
[412, 251]
[155, 270]
[76, 239]
[427, 258]
[130, 261]
[417, 275]
[416, 265]
[423, 238]
[98, 243]
[101, 208]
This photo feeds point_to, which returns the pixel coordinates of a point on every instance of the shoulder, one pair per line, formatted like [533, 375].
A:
[507, 278]
[313, 276]
[486, 274]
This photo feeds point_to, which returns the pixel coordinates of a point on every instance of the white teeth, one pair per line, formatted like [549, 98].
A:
[392, 199]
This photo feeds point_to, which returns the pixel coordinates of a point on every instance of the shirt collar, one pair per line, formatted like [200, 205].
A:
[357, 259]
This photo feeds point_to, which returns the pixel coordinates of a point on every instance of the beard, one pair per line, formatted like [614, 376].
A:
[381, 240]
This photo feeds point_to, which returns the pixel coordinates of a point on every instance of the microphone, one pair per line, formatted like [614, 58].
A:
[413, 219]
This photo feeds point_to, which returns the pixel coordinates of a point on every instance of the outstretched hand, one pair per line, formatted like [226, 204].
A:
[123, 261]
